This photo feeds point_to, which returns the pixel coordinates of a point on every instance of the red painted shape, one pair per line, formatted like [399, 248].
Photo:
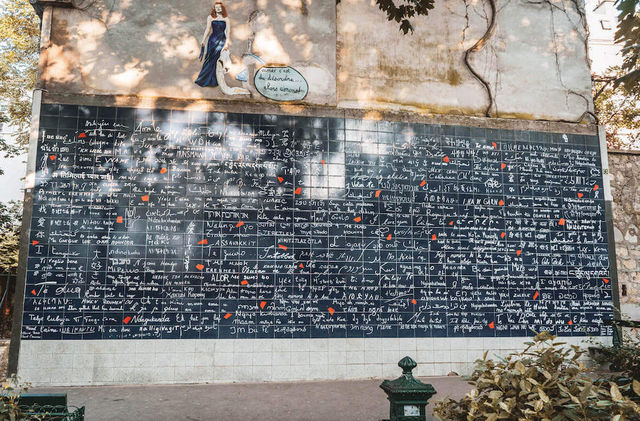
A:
[580, 195]
[52, 157]
[282, 247]
[501, 202]
[298, 190]
[280, 179]
[201, 242]
[145, 198]
[378, 193]
[82, 135]
[244, 282]
[163, 170]
[422, 184]
[199, 267]
[446, 159]
[127, 320]
[570, 322]
[263, 304]
[301, 265]
[562, 221]
[414, 301]
[239, 224]
[433, 237]
[323, 163]
[389, 237]
[120, 220]
[596, 187]
[492, 325]
[451, 223]
[518, 252]
[494, 144]
[33, 291]
[606, 281]
[503, 166]
[536, 295]
[331, 310]
[226, 316]
[503, 234]
[34, 242]
[357, 219]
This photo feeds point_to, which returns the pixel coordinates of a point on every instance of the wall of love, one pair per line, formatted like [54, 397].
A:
[153, 223]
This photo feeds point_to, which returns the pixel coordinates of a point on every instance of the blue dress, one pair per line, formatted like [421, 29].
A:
[217, 38]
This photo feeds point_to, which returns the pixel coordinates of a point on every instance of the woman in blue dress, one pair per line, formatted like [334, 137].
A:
[215, 39]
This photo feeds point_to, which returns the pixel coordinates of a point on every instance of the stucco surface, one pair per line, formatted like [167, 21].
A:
[534, 61]
[122, 47]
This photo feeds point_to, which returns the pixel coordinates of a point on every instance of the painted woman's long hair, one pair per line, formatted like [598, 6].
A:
[224, 10]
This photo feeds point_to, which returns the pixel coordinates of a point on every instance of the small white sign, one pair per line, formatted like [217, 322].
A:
[281, 83]
[411, 411]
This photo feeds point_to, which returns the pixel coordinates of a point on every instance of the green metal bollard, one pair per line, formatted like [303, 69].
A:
[408, 396]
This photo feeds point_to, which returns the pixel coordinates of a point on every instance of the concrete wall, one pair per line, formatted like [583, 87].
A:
[126, 47]
[625, 187]
[534, 60]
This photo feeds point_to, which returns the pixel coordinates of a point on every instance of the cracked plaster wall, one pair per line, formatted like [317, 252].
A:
[625, 187]
[535, 61]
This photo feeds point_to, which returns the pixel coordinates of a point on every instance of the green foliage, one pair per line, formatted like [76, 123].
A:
[11, 391]
[19, 47]
[401, 10]
[624, 359]
[617, 109]
[10, 223]
[546, 382]
[628, 35]
[404, 10]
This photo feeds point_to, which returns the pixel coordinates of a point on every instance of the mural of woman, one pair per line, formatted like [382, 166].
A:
[214, 41]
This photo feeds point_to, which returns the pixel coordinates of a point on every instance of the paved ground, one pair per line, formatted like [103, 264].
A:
[312, 401]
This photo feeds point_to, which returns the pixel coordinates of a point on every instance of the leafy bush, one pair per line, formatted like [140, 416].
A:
[11, 391]
[546, 381]
[624, 358]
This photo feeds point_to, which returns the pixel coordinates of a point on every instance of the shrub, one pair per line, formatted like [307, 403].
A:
[11, 391]
[624, 358]
[546, 381]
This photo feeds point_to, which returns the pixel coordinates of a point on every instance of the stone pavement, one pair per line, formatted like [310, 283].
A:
[360, 400]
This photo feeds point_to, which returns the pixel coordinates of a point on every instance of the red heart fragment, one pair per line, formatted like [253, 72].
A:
[492, 325]
[127, 320]
[200, 267]
[331, 310]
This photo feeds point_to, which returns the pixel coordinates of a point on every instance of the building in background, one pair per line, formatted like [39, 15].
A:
[602, 18]
[275, 191]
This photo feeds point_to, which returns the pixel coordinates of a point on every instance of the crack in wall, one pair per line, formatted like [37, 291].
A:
[553, 8]
[478, 46]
